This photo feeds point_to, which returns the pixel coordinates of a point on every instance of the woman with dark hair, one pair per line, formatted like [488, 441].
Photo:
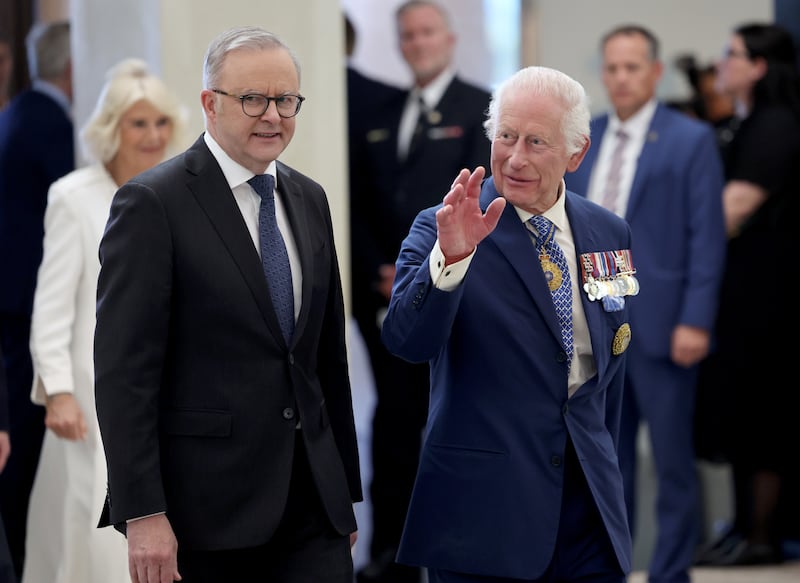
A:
[748, 372]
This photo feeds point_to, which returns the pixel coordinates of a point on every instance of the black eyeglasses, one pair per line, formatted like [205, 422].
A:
[255, 104]
[731, 53]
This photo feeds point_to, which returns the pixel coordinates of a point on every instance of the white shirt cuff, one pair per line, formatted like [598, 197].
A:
[450, 277]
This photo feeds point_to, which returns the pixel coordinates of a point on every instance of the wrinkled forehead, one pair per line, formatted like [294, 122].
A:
[259, 70]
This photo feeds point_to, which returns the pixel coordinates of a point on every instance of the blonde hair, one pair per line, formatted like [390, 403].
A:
[127, 82]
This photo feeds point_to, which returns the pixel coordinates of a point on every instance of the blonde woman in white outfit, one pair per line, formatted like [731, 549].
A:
[136, 121]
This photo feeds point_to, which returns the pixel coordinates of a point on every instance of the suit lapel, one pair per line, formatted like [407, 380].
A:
[587, 240]
[515, 244]
[649, 154]
[296, 211]
[214, 196]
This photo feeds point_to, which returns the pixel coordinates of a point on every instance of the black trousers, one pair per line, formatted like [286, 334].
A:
[401, 410]
[26, 432]
[304, 549]
[7, 574]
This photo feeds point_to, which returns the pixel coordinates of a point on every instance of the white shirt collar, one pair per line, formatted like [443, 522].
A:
[637, 125]
[556, 214]
[235, 173]
[432, 93]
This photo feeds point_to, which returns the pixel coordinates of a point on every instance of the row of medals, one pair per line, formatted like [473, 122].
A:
[609, 274]
[623, 284]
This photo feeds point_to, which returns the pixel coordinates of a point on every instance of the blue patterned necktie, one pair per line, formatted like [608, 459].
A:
[556, 272]
[274, 257]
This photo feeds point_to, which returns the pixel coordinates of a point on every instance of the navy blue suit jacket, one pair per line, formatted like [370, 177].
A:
[36, 148]
[675, 214]
[487, 497]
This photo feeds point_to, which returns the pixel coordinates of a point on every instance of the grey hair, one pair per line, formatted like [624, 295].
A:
[244, 37]
[409, 4]
[633, 30]
[49, 50]
[128, 82]
[541, 82]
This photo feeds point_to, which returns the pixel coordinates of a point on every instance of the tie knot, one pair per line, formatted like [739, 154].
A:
[263, 184]
[541, 224]
[545, 228]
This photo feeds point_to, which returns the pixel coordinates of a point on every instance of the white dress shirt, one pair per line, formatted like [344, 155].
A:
[431, 95]
[249, 203]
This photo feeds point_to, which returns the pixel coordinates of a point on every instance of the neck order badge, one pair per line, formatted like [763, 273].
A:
[554, 265]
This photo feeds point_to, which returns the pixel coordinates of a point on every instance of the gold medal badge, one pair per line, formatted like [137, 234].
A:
[621, 339]
[552, 273]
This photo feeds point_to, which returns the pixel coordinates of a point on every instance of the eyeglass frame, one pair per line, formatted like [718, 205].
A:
[267, 100]
[731, 53]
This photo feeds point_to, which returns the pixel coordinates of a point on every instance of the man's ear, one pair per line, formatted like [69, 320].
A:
[576, 159]
[208, 99]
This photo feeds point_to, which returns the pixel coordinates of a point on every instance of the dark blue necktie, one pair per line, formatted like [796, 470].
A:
[420, 128]
[556, 272]
[274, 257]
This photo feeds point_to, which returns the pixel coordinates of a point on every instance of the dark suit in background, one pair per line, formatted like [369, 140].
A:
[235, 445]
[366, 102]
[36, 148]
[7, 574]
[388, 189]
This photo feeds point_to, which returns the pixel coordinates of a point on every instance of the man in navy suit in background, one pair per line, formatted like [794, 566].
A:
[405, 158]
[36, 148]
[661, 171]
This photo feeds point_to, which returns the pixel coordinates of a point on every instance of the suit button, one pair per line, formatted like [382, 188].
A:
[555, 461]
[561, 356]
[565, 409]
[291, 358]
[288, 413]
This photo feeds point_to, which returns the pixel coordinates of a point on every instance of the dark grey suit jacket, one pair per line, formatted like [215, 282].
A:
[198, 396]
